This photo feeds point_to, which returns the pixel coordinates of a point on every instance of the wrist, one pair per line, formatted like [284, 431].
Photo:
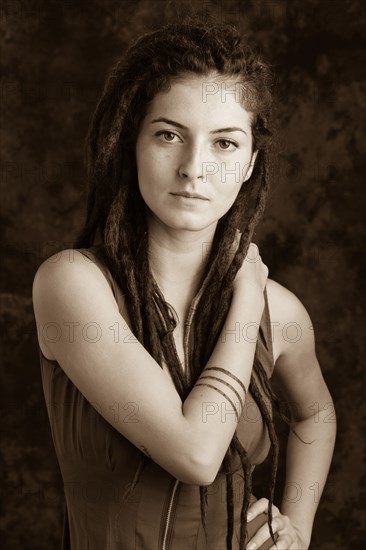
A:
[304, 537]
[303, 532]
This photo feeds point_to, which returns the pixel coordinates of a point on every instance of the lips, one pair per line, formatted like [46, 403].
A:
[190, 195]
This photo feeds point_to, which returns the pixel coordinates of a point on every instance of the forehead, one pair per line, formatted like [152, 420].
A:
[212, 100]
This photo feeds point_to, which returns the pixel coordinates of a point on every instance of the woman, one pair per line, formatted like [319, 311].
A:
[155, 332]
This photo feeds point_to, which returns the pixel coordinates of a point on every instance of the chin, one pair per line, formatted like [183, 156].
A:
[182, 221]
[187, 226]
[184, 224]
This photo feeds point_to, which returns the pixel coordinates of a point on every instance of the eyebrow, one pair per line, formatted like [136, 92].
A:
[179, 125]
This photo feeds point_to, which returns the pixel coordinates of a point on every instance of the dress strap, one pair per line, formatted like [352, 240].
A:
[266, 330]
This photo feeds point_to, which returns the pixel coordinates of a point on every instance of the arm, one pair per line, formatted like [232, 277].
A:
[307, 465]
[205, 410]
[299, 376]
[112, 371]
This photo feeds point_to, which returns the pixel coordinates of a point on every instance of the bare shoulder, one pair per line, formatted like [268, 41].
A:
[292, 328]
[281, 300]
[68, 268]
[65, 282]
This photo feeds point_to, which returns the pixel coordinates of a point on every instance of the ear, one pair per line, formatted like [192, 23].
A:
[251, 166]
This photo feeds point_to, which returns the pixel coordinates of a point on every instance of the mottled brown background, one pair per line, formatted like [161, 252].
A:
[56, 55]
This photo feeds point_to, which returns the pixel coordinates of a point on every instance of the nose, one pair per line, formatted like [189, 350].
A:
[191, 165]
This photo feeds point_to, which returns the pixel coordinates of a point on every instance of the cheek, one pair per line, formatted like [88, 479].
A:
[151, 181]
[228, 201]
[225, 195]
[151, 165]
[232, 173]
[228, 182]
[145, 170]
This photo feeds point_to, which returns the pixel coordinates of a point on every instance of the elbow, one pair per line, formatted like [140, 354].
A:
[201, 472]
[197, 478]
[202, 479]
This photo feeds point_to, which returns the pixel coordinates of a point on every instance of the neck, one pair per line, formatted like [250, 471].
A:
[178, 258]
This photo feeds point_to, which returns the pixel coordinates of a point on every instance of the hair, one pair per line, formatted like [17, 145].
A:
[116, 210]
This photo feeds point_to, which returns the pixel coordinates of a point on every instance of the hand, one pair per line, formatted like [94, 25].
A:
[253, 273]
[289, 536]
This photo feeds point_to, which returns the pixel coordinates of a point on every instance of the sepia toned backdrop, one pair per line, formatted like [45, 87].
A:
[55, 58]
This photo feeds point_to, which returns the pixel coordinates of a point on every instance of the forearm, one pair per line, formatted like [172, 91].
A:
[307, 466]
[210, 414]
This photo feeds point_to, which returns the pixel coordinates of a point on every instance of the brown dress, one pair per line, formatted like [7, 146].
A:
[97, 465]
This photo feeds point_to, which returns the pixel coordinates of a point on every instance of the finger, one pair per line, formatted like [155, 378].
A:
[253, 254]
[283, 543]
[263, 535]
[260, 507]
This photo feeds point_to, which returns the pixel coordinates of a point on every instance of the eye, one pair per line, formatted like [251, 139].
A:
[167, 136]
[227, 145]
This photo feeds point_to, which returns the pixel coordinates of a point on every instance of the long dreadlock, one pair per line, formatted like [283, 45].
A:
[116, 210]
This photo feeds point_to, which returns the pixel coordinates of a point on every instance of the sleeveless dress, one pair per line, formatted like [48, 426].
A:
[98, 464]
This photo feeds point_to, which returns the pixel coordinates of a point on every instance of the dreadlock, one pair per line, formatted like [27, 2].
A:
[116, 210]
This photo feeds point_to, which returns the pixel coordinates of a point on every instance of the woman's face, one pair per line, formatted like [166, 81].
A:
[194, 139]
